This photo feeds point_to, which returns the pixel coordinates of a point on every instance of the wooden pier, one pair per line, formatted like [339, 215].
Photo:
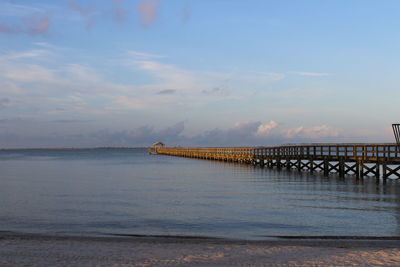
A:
[360, 160]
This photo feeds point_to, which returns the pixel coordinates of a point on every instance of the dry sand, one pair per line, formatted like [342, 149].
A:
[28, 250]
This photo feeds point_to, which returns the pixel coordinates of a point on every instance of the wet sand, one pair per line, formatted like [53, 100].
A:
[23, 250]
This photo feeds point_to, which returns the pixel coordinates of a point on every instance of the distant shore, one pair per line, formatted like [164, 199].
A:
[21, 249]
[71, 148]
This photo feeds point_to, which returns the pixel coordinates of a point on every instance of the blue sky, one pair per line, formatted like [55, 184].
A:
[127, 73]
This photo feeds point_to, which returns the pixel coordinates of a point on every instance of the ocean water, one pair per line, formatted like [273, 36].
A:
[128, 192]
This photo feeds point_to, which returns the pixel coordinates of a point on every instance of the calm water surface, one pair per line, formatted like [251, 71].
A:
[101, 192]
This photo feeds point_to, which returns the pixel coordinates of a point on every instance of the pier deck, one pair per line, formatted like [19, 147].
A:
[361, 160]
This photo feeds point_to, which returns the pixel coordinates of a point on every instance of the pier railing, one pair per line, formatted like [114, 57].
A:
[358, 159]
[365, 152]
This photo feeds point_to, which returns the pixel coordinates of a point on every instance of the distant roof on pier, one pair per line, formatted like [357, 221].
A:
[159, 144]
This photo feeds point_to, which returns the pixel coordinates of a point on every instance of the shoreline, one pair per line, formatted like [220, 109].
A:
[31, 249]
[73, 148]
[266, 240]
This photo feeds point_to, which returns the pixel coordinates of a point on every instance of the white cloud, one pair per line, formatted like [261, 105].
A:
[41, 54]
[196, 82]
[29, 73]
[312, 74]
[44, 75]
[246, 133]
[142, 55]
[82, 73]
[167, 76]
[265, 129]
[131, 103]
[17, 10]
[314, 132]
[305, 94]
[250, 133]
[262, 77]
[40, 83]
[10, 88]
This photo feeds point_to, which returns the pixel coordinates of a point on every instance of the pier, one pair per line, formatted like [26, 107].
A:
[381, 161]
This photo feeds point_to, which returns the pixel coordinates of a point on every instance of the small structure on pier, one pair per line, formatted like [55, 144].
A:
[155, 147]
[158, 144]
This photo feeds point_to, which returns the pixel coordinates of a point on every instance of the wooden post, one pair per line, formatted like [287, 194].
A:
[311, 165]
[326, 167]
[384, 169]
[361, 169]
[341, 167]
[377, 173]
[262, 163]
[278, 163]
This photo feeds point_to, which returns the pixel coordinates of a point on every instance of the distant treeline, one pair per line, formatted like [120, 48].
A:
[73, 148]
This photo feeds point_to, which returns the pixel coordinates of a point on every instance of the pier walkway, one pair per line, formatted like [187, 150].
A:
[361, 160]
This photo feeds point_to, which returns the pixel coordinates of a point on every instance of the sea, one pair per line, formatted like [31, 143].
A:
[127, 192]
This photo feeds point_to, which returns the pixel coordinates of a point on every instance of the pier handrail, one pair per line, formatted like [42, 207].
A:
[360, 151]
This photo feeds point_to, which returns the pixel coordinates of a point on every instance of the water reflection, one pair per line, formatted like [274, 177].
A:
[315, 192]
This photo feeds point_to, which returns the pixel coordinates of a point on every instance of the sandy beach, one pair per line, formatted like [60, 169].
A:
[38, 250]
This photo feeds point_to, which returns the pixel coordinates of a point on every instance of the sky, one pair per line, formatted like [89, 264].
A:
[198, 73]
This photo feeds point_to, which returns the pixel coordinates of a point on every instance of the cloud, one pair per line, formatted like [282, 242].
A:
[146, 102]
[166, 92]
[41, 84]
[139, 136]
[246, 127]
[17, 10]
[241, 134]
[173, 131]
[71, 121]
[256, 133]
[311, 74]
[246, 133]
[36, 24]
[148, 12]
[30, 54]
[30, 73]
[119, 13]
[195, 87]
[7, 29]
[314, 132]
[88, 13]
[45, 80]
[45, 45]
[142, 55]
[83, 73]
[166, 76]
[265, 129]
[4, 102]
[12, 120]
[84, 11]
[216, 91]
[186, 14]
